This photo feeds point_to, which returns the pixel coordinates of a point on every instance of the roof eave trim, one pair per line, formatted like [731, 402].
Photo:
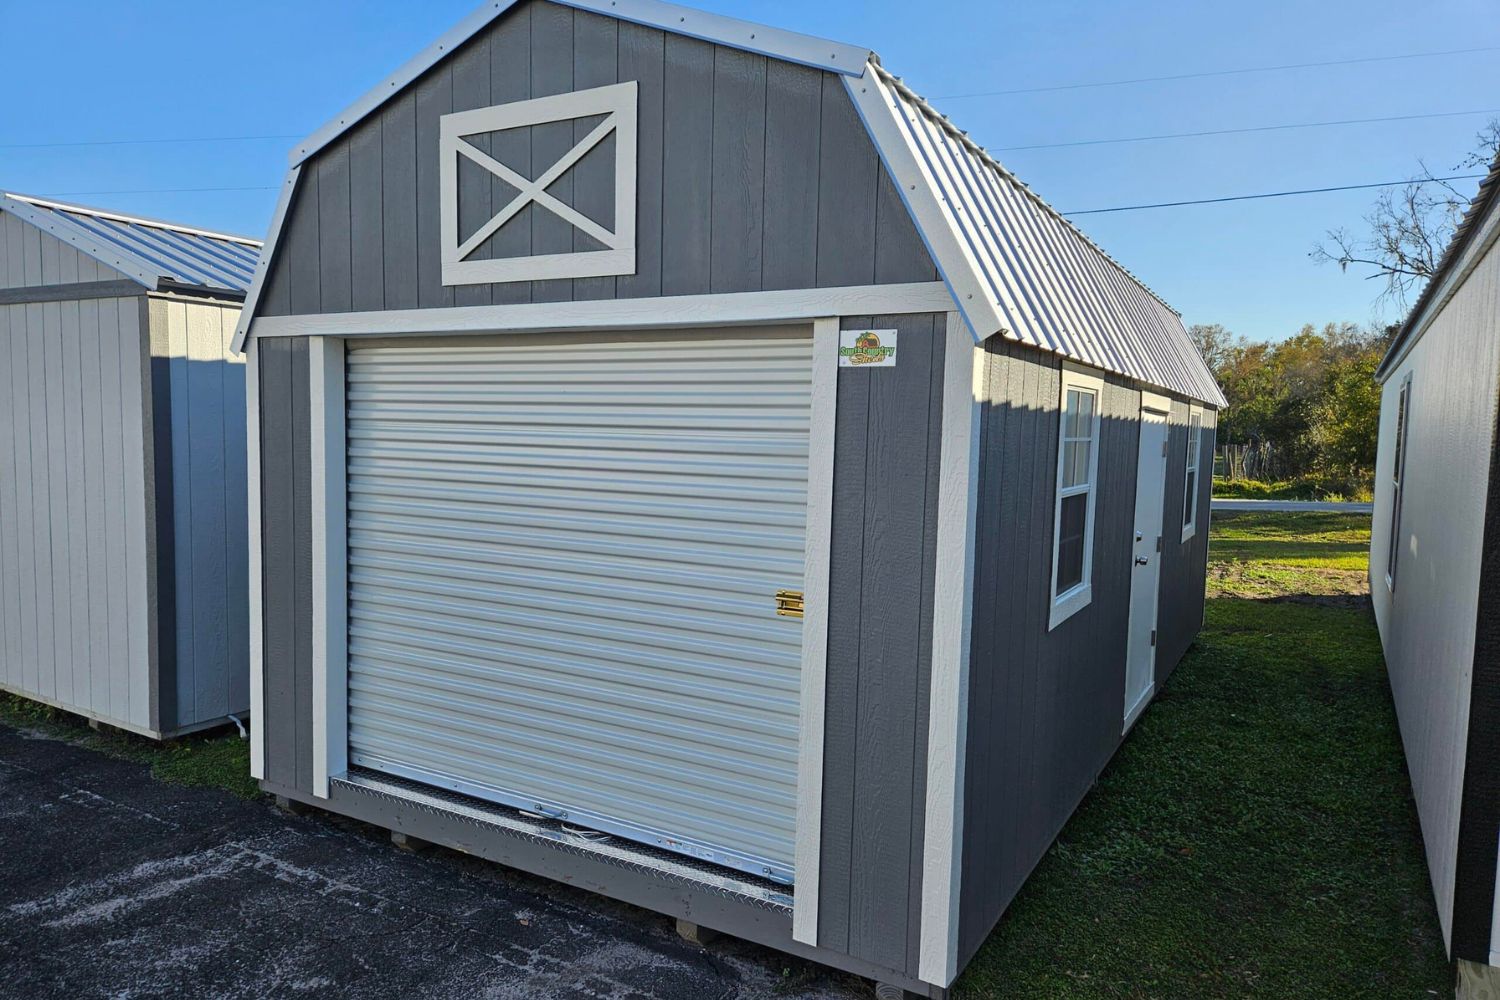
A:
[881, 111]
[1477, 241]
[263, 265]
[48, 221]
[791, 46]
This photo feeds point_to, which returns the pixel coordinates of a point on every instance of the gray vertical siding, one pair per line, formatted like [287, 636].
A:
[30, 257]
[752, 174]
[286, 540]
[1045, 708]
[75, 479]
[201, 419]
[886, 452]
[1183, 564]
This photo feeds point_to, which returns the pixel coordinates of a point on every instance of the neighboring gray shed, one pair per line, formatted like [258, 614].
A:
[689, 468]
[1435, 576]
[122, 467]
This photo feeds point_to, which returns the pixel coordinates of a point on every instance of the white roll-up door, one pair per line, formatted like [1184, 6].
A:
[564, 555]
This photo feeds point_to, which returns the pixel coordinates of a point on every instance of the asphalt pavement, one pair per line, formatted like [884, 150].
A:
[1293, 506]
[118, 885]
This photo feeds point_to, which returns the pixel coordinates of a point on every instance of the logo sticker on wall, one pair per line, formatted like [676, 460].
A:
[867, 348]
[477, 210]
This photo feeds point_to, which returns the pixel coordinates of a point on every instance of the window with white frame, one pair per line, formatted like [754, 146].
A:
[1191, 478]
[1398, 476]
[1077, 478]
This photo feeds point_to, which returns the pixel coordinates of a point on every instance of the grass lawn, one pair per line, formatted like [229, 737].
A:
[1290, 489]
[1255, 836]
[215, 759]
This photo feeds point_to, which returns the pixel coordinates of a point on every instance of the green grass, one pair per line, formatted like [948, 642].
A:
[1289, 489]
[1255, 835]
[214, 760]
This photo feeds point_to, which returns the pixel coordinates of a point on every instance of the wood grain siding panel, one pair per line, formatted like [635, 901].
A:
[335, 257]
[287, 561]
[719, 130]
[1184, 564]
[1045, 707]
[879, 646]
[29, 256]
[1432, 622]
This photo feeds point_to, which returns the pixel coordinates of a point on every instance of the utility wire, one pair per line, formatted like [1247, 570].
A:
[1240, 131]
[79, 194]
[1269, 194]
[1217, 72]
[146, 142]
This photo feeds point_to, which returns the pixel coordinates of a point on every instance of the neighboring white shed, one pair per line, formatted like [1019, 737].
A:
[1435, 572]
[122, 467]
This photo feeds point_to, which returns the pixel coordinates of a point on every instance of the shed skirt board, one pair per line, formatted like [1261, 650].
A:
[564, 553]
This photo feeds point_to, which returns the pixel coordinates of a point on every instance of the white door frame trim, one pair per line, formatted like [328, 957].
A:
[809, 834]
[790, 306]
[330, 588]
[953, 605]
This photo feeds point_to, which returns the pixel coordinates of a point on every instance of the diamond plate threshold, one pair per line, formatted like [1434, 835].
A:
[505, 821]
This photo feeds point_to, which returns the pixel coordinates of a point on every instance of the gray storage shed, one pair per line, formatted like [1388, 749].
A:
[122, 467]
[688, 467]
[1435, 577]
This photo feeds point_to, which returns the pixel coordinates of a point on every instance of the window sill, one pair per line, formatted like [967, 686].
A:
[1070, 604]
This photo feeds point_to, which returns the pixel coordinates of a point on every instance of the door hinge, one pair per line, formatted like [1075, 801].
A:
[789, 603]
[1158, 543]
[1153, 637]
[1164, 449]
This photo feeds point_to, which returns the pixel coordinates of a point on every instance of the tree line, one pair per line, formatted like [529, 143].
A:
[1309, 405]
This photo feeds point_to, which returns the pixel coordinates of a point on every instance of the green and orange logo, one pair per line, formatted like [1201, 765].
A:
[867, 350]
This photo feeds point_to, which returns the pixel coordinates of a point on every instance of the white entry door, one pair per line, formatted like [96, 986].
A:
[564, 559]
[1145, 576]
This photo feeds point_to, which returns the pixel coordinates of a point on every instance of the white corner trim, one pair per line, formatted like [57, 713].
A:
[885, 118]
[617, 103]
[257, 579]
[57, 226]
[1156, 403]
[263, 265]
[330, 681]
[682, 311]
[953, 605]
[807, 50]
[809, 836]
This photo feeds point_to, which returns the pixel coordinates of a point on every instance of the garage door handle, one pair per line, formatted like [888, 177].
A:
[789, 603]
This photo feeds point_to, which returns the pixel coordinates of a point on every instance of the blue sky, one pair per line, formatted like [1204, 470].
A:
[91, 70]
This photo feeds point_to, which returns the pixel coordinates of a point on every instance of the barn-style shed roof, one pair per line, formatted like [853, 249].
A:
[1016, 267]
[155, 253]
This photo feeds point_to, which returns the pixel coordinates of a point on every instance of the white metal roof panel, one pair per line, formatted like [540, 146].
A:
[1016, 266]
[149, 250]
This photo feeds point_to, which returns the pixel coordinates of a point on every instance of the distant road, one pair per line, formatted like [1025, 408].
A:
[1290, 506]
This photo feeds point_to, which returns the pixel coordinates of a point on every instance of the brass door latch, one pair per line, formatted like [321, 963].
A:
[789, 603]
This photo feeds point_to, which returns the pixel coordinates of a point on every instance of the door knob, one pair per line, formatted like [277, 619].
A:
[1142, 560]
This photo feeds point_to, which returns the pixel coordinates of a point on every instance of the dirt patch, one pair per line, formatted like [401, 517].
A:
[1262, 581]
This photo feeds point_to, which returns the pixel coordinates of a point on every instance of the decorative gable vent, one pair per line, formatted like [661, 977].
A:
[463, 261]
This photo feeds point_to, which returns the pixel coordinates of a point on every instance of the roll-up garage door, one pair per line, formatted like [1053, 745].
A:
[564, 556]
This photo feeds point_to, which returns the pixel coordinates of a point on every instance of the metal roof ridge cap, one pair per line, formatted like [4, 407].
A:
[141, 220]
[943, 122]
[780, 43]
[133, 266]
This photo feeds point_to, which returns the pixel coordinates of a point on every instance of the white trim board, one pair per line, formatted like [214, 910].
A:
[330, 629]
[808, 847]
[263, 265]
[953, 605]
[731, 309]
[807, 50]
[254, 590]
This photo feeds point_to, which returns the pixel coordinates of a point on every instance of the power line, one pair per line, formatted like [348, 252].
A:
[1217, 72]
[146, 142]
[79, 194]
[1240, 131]
[1269, 194]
